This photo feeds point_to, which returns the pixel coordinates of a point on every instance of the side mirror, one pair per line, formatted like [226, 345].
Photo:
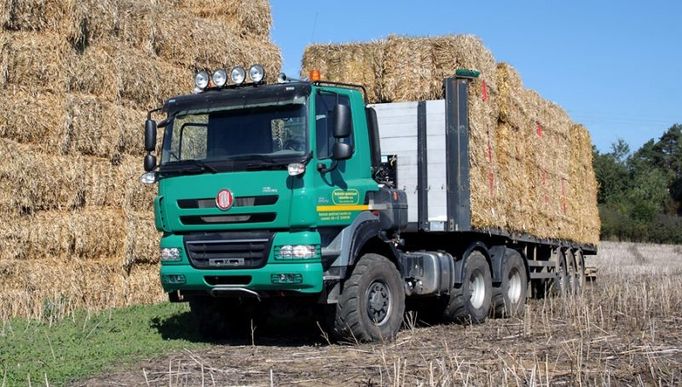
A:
[149, 162]
[341, 151]
[149, 136]
[342, 121]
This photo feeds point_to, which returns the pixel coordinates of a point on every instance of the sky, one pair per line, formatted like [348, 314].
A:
[615, 66]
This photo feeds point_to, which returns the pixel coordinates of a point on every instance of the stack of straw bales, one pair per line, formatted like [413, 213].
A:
[530, 165]
[76, 80]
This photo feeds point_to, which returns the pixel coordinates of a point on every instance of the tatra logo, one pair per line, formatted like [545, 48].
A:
[224, 200]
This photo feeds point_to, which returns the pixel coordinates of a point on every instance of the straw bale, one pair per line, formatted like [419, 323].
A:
[141, 243]
[130, 22]
[37, 15]
[200, 43]
[38, 59]
[248, 18]
[407, 70]
[461, 51]
[36, 181]
[31, 292]
[31, 117]
[85, 234]
[359, 63]
[94, 72]
[94, 126]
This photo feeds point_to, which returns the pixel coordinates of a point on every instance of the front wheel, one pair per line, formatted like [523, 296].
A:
[372, 303]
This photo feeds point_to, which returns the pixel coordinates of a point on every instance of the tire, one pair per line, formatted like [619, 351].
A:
[559, 286]
[571, 274]
[471, 302]
[372, 302]
[509, 298]
[216, 319]
[580, 270]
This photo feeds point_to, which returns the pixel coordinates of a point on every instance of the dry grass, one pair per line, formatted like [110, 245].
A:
[624, 329]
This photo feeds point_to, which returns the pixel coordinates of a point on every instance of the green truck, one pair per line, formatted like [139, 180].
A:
[287, 196]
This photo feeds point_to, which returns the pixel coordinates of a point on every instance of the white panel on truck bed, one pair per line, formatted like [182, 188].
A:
[398, 133]
[398, 136]
[435, 158]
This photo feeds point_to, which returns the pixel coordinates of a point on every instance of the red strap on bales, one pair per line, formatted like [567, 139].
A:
[489, 154]
[491, 181]
[538, 128]
[484, 90]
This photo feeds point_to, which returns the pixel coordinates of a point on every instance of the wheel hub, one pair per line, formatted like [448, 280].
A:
[477, 288]
[514, 292]
[378, 302]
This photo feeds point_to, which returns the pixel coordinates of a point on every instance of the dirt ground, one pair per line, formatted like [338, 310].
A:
[624, 329]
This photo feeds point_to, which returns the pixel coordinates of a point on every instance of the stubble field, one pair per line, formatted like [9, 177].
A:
[623, 329]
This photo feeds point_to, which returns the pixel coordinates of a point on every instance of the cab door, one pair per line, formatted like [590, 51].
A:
[341, 191]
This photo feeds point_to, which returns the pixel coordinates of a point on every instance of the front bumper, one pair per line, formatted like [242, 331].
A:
[308, 278]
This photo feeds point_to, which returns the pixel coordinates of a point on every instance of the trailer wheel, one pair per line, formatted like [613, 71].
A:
[580, 271]
[571, 274]
[510, 297]
[559, 285]
[471, 302]
[372, 302]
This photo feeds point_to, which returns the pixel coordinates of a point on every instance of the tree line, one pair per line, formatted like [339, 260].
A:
[640, 192]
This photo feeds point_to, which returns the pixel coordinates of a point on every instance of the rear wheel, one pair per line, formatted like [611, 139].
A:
[580, 270]
[571, 274]
[560, 282]
[372, 303]
[510, 297]
[471, 302]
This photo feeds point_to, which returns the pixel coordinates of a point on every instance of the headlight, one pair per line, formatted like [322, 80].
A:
[238, 75]
[170, 254]
[201, 79]
[297, 251]
[149, 178]
[219, 77]
[256, 73]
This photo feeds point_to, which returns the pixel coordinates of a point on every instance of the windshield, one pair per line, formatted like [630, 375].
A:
[256, 134]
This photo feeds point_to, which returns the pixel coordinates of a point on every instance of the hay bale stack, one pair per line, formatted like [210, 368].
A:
[527, 159]
[359, 63]
[76, 80]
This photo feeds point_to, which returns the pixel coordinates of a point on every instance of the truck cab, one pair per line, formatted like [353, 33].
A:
[260, 187]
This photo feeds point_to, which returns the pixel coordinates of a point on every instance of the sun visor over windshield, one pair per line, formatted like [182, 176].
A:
[265, 95]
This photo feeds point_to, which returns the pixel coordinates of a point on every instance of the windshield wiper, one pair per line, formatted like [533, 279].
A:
[198, 163]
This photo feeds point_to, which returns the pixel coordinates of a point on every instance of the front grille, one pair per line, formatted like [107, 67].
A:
[232, 219]
[240, 201]
[228, 250]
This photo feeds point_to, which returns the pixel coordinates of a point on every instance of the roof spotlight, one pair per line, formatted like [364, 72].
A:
[256, 73]
[219, 77]
[238, 75]
[201, 79]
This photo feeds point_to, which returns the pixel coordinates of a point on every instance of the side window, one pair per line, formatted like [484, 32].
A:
[324, 121]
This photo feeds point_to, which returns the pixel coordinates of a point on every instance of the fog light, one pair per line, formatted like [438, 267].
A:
[201, 79]
[173, 279]
[170, 254]
[238, 74]
[219, 78]
[256, 73]
[286, 278]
